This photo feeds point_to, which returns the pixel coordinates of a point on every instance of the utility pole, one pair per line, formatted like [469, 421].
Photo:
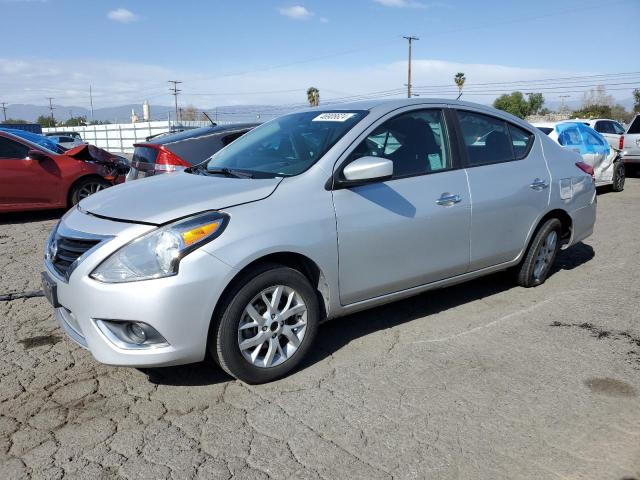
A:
[91, 102]
[410, 39]
[562, 97]
[174, 91]
[51, 110]
[4, 110]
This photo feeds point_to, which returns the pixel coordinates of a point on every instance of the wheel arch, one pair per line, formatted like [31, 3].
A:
[565, 235]
[302, 263]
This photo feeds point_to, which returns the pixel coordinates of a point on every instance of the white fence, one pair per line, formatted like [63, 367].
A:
[120, 137]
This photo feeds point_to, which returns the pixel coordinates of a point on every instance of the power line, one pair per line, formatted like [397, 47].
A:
[175, 92]
[4, 110]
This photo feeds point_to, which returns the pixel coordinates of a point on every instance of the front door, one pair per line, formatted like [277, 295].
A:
[412, 229]
[24, 182]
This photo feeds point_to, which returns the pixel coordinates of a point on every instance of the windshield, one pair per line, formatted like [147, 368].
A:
[286, 146]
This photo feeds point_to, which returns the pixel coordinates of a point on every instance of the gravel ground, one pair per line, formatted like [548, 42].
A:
[482, 380]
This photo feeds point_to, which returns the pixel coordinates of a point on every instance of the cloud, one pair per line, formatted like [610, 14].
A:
[32, 80]
[409, 4]
[296, 12]
[122, 15]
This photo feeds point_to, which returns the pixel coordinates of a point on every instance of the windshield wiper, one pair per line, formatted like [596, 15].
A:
[229, 172]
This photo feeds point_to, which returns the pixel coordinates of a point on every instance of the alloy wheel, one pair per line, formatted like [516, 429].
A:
[272, 326]
[89, 189]
[545, 255]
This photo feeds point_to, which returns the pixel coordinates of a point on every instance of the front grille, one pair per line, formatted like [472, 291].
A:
[68, 251]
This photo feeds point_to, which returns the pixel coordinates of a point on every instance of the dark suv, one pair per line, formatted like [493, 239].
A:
[168, 153]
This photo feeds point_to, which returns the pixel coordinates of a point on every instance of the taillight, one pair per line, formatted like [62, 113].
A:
[621, 142]
[586, 169]
[167, 161]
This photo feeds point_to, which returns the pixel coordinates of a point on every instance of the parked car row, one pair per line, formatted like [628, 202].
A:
[308, 217]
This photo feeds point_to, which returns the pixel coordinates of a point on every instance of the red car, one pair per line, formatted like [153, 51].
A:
[33, 177]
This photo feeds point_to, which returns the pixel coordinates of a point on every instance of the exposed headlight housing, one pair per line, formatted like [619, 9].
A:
[157, 254]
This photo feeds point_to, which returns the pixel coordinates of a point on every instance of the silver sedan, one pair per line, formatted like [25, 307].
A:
[309, 217]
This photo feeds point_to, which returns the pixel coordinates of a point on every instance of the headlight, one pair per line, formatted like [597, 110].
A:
[157, 254]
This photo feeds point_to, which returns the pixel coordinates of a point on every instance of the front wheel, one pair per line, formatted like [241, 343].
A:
[87, 187]
[618, 177]
[540, 255]
[266, 326]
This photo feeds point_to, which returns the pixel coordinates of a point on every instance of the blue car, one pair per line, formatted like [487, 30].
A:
[608, 168]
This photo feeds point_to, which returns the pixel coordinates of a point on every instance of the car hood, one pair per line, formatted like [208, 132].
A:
[163, 198]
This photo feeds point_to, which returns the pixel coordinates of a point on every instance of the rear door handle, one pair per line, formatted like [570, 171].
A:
[447, 199]
[538, 184]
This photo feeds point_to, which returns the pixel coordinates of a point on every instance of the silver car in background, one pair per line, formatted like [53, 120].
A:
[311, 216]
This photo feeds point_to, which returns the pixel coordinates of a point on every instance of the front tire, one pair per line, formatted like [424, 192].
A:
[87, 187]
[540, 255]
[266, 325]
[618, 177]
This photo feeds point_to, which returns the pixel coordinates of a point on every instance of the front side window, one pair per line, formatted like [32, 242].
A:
[11, 149]
[486, 138]
[416, 143]
[286, 146]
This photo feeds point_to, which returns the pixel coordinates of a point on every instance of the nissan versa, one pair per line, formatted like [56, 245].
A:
[308, 217]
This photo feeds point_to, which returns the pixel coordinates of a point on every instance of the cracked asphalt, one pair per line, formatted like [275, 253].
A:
[482, 380]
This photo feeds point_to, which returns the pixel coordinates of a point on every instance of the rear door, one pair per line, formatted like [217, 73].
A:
[412, 229]
[508, 181]
[26, 183]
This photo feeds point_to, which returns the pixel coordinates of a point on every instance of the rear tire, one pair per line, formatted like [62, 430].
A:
[538, 260]
[87, 187]
[618, 177]
[255, 315]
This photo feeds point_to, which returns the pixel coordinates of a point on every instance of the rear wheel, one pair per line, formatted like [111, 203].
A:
[540, 255]
[266, 325]
[618, 177]
[87, 187]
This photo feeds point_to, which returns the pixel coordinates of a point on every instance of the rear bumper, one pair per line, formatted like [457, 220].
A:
[583, 220]
[631, 159]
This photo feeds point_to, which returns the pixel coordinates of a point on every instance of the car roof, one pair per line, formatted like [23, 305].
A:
[200, 132]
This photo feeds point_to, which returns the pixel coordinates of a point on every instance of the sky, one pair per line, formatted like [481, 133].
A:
[237, 52]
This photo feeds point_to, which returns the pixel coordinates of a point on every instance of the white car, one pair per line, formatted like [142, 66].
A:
[611, 130]
[595, 150]
[67, 140]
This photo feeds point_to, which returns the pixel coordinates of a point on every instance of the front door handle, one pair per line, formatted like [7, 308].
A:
[538, 184]
[447, 199]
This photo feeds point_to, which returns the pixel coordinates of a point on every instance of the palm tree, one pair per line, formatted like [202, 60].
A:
[313, 96]
[459, 79]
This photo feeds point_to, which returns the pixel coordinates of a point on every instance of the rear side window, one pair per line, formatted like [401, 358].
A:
[604, 127]
[521, 141]
[569, 135]
[11, 149]
[486, 139]
[617, 128]
[145, 155]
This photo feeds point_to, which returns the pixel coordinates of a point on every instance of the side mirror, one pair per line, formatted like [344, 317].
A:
[367, 169]
[37, 155]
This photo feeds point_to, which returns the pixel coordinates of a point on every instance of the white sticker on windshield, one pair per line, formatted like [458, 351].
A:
[333, 117]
